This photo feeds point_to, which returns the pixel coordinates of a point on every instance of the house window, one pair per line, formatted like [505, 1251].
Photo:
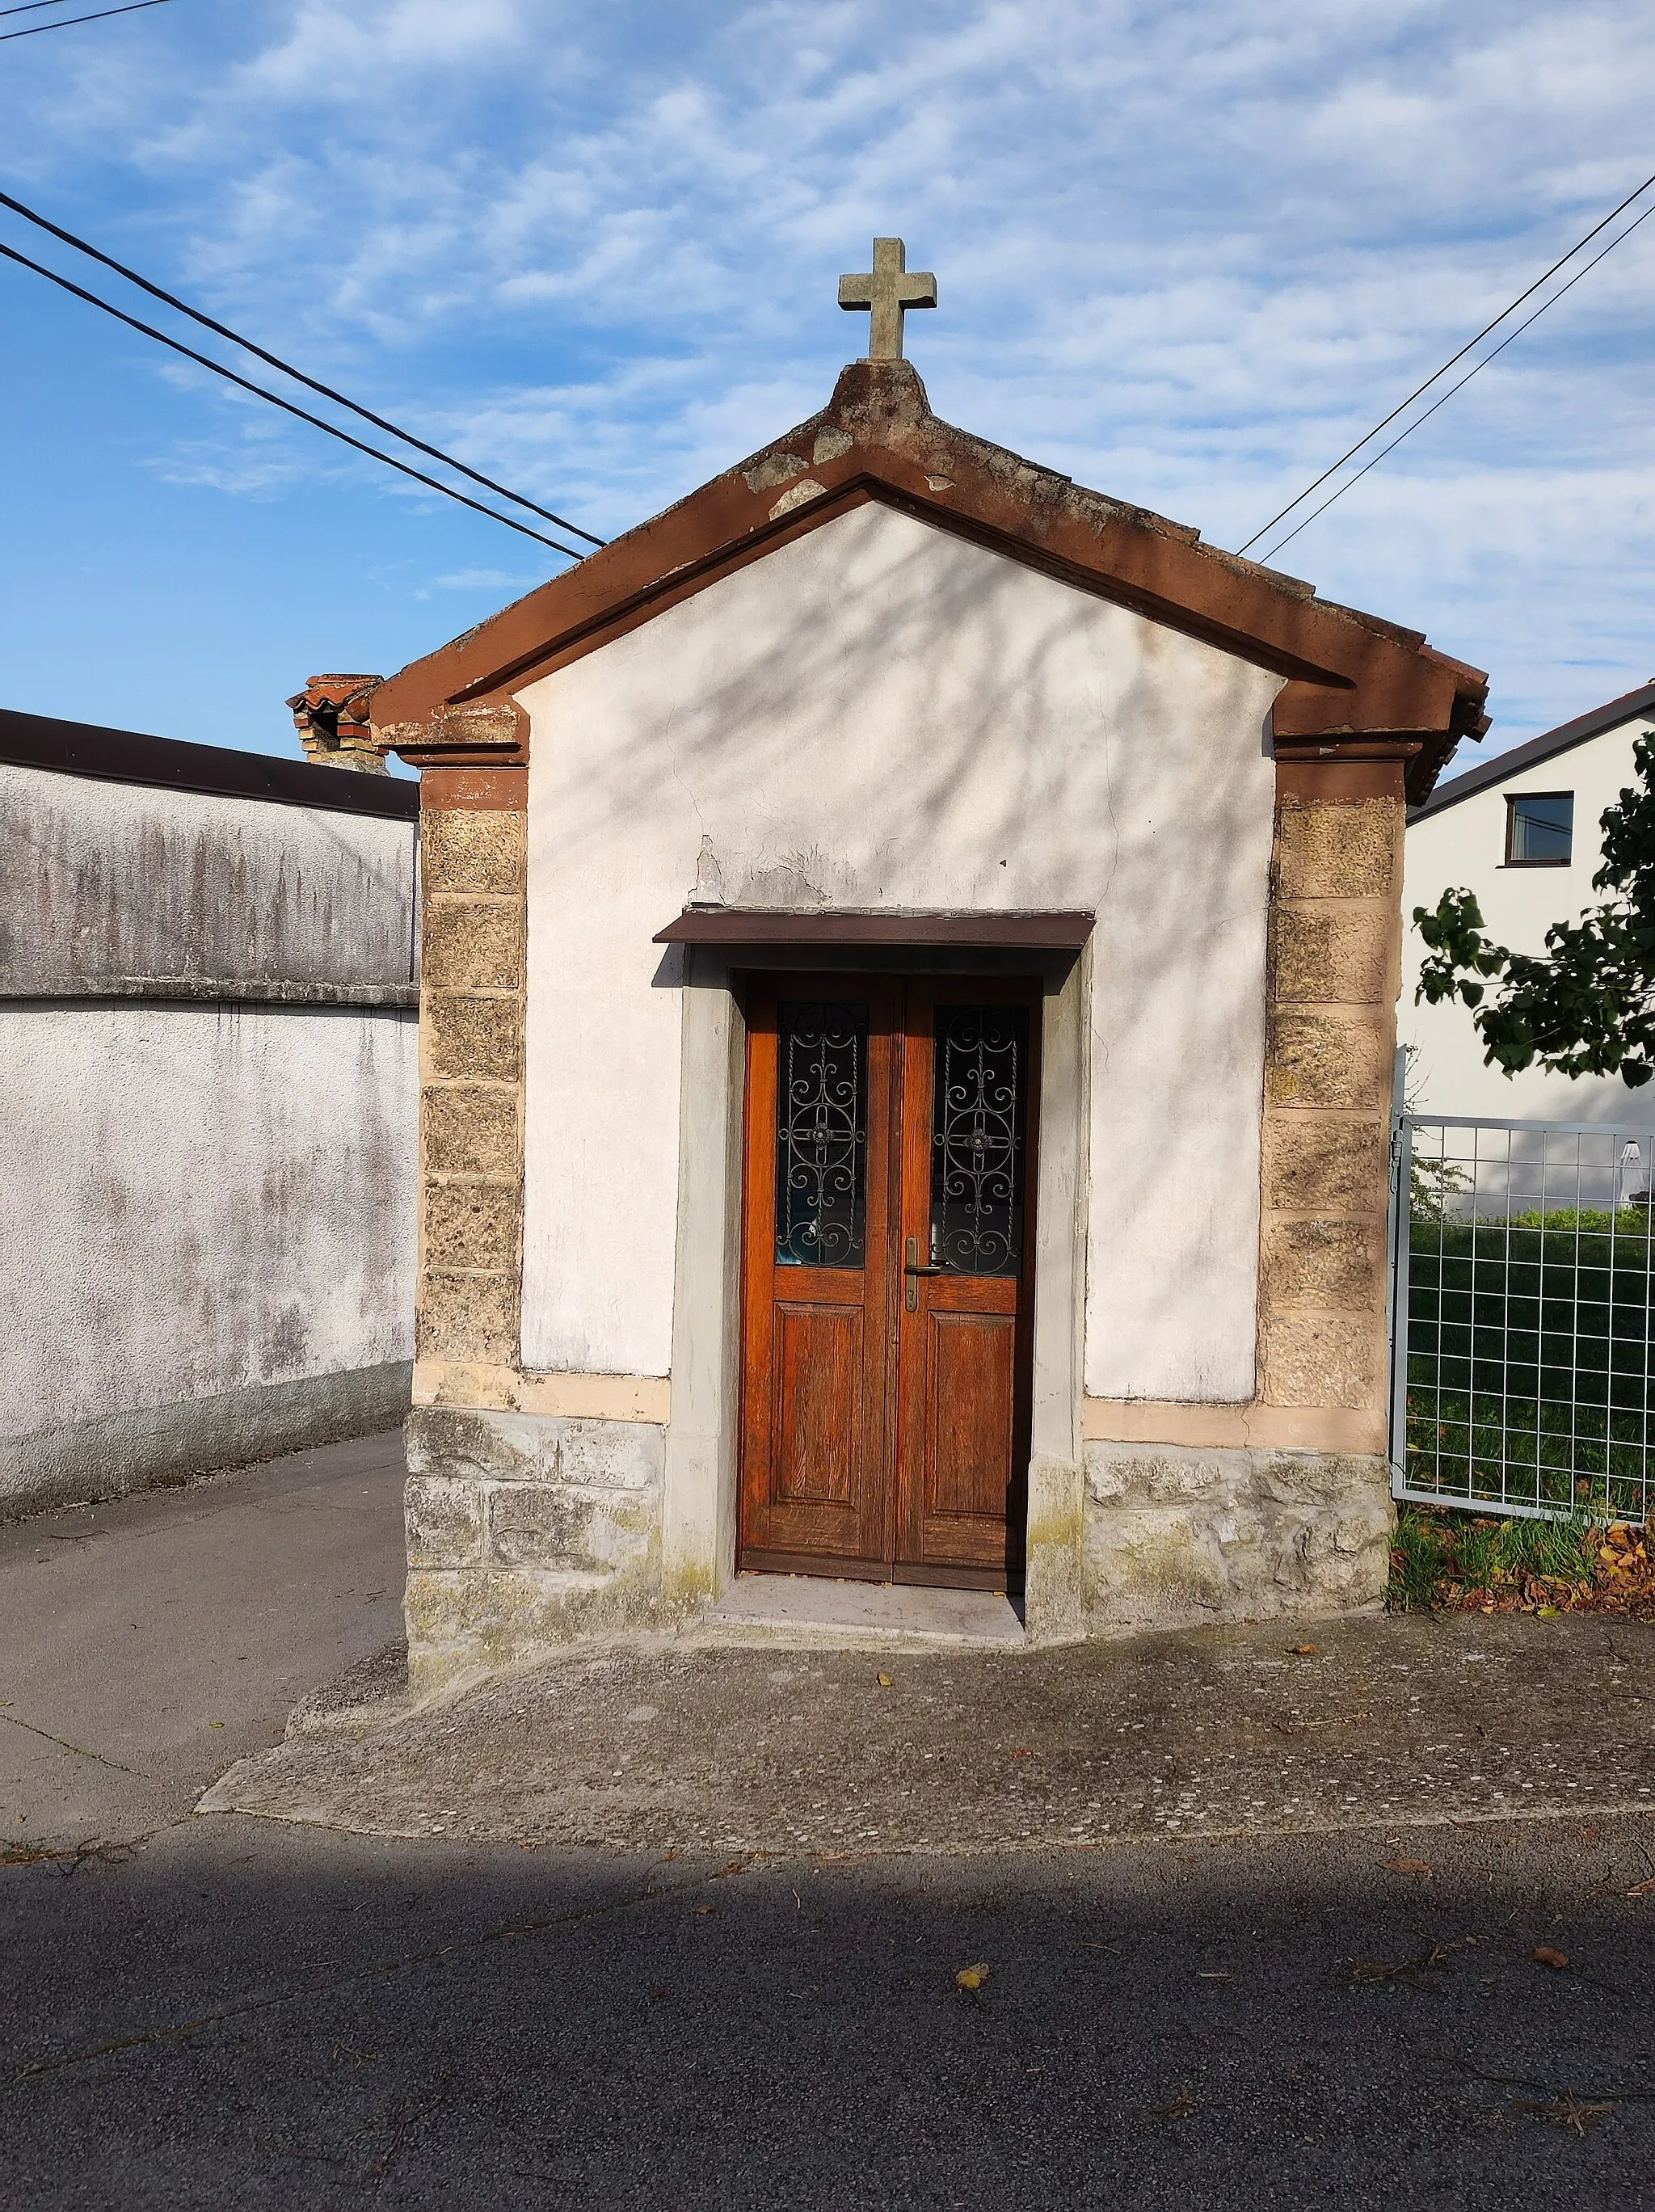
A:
[1539, 828]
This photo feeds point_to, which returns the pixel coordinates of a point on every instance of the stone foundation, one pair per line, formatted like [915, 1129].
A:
[1176, 1534]
[524, 1530]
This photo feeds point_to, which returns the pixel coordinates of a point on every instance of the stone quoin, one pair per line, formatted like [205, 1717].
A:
[911, 953]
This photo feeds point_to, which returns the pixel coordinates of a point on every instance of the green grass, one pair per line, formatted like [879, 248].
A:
[1530, 1373]
[1432, 1549]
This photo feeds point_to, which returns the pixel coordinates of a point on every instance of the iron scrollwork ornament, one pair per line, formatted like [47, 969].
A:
[979, 1113]
[821, 1135]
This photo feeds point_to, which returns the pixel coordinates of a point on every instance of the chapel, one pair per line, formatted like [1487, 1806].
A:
[911, 948]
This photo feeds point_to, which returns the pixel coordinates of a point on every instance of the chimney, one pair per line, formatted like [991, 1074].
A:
[331, 715]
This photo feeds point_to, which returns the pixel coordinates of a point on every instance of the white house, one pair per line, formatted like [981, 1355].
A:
[1522, 832]
[911, 950]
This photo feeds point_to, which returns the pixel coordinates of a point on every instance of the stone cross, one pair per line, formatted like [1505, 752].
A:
[889, 291]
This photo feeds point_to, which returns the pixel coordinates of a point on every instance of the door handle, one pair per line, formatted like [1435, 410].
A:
[910, 1267]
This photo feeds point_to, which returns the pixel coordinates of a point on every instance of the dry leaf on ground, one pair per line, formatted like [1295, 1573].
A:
[1182, 2106]
[1408, 1866]
[1548, 1954]
[1361, 1972]
[884, 1682]
[1566, 2110]
[972, 1977]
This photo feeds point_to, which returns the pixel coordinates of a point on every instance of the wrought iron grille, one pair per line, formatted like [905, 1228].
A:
[1521, 1307]
[980, 1109]
[821, 1135]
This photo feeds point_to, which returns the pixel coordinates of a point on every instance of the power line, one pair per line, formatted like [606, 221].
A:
[35, 29]
[332, 428]
[1437, 375]
[31, 7]
[1413, 426]
[223, 331]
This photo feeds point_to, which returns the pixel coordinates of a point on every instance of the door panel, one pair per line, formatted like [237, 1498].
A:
[972, 1376]
[887, 1277]
[817, 1292]
[817, 1432]
[966, 1339]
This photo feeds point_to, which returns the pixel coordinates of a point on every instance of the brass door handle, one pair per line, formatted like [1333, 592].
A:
[911, 1270]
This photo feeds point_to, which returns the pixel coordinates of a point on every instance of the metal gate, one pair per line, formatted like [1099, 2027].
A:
[1521, 1289]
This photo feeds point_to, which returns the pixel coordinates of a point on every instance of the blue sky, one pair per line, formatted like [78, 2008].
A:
[1187, 253]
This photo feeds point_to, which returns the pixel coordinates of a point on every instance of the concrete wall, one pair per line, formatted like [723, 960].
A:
[105, 881]
[882, 714]
[1464, 845]
[207, 1099]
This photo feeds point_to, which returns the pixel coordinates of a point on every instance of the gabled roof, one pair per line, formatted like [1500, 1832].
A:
[41, 741]
[1610, 716]
[1353, 680]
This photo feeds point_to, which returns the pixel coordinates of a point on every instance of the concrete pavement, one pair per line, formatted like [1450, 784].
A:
[686, 1745]
[147, 1643]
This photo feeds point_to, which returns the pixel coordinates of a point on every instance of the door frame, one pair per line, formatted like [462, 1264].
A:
[699, 1501]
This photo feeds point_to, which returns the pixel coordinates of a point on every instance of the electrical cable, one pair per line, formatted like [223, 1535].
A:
[33, 7]
[223, 331]
[1437, 375]
[333, 430]
[1344, 488]
[35, 29]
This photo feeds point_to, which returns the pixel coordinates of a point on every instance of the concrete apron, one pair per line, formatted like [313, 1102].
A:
[688, 1744]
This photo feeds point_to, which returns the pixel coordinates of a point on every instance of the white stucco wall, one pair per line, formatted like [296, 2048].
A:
[1464, 846]
[881, 715]
[199, 1199]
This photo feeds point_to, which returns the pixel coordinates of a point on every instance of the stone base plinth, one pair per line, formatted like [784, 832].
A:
[524, 1530]
[1176, 1534]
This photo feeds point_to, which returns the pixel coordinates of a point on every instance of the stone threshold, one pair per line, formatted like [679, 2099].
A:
[814, 1607]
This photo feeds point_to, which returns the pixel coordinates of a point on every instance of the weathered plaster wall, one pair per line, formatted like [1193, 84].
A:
[207, 1099]
[882, 714]
[201, 1208]
[101, 880]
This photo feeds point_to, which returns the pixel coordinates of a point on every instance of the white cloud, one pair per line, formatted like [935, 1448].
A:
[1187, 253]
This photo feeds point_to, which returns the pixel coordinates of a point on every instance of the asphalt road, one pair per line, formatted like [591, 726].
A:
[236, 2011]
[240, 2012]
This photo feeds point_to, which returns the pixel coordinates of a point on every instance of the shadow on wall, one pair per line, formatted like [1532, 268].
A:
[881, 715]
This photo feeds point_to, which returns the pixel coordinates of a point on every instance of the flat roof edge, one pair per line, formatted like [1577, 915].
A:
[86, 748]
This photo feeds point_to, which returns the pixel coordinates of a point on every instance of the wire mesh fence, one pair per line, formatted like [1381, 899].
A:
[1521, 1295]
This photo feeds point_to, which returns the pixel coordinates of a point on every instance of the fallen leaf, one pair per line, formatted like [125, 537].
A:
[1408, 1866]
[1182, 2106]
[1549, 1613]
[1568, 2111]
[972, 1977]
[1547, 1954]
[1303, 1650]
[701, 1910]
[1362, 1972]
[884, 1682]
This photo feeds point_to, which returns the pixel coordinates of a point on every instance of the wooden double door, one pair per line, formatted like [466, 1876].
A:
[889, 1238]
